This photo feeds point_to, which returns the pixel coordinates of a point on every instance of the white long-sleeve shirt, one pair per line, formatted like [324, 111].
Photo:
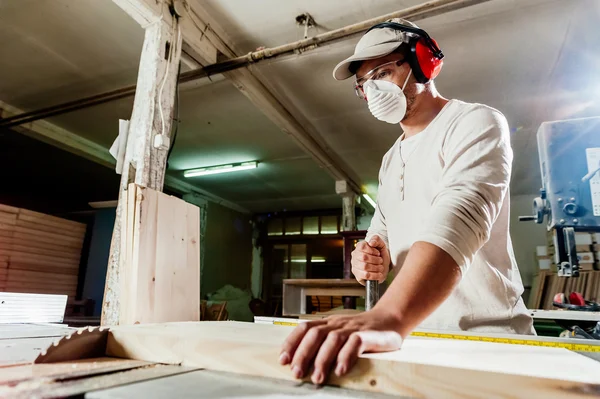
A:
[449, 186]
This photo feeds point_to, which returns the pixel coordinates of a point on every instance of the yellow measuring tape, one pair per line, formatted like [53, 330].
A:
[578, 347]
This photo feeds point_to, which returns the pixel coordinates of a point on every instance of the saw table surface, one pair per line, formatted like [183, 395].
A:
[224, 359]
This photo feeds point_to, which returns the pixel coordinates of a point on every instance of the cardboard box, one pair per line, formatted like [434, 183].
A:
[585, 257]
[544, 264]
[583, 239]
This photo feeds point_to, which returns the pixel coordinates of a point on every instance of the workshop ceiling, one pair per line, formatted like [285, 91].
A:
[533, 60]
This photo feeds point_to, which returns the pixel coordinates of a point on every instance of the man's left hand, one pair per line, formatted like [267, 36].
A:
[336, 342]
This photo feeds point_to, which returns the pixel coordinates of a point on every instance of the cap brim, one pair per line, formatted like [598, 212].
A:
[342, 70]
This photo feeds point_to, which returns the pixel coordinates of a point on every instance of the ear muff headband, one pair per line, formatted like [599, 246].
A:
[425, 56]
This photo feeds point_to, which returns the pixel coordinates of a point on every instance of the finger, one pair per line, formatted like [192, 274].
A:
[363, 275]
[291, 343]
[366, 266]
[377, 242]
[379, 341]
[308, 348]
[366, 248]
[366, 341]
[328, 354]
[348, 354]
[365, 257]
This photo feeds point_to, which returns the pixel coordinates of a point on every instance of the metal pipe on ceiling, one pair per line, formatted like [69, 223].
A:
[415, 13]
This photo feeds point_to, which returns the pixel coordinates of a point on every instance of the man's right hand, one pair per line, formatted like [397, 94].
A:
[371, 260]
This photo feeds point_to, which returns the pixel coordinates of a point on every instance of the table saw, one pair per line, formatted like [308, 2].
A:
[239, 360]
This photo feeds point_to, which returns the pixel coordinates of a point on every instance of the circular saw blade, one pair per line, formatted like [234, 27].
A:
[84, 343]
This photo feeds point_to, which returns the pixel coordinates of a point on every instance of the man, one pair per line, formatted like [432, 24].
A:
[441, 225]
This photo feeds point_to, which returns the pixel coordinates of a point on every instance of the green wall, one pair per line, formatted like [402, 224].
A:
[227, 250]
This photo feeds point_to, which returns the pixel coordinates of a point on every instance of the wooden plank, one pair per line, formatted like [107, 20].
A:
[3, 265]
[32, 244]
[35, 276]
[57, 237]
[22, 257]
[422, 368]
[66, 231]
[162, 279]
[27, 308]
[20, 233]
[44, 268]
[9, 209]
[27, 249]
[8, 218]
[49, 220]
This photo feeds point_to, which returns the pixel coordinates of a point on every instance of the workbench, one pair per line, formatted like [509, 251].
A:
[295, 292]
[239, 360]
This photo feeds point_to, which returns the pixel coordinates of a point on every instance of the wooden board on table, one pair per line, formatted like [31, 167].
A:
[422, 368]
[32, 308]
[161, 273]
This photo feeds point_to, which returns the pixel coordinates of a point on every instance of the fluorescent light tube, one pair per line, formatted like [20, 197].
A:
[370, 200]
[213, 170]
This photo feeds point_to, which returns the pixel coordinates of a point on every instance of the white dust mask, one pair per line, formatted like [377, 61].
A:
[386, 100]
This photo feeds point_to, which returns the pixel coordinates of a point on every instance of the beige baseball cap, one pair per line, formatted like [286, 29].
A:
[374, 44]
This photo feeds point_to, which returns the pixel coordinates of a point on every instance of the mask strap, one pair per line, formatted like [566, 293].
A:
[407, 77]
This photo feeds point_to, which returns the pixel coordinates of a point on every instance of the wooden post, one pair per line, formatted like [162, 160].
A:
[145, 159]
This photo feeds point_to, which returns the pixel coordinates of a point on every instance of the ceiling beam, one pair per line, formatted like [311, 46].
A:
[193, 60]
[253, 88]
[71, 142]
[147, 12]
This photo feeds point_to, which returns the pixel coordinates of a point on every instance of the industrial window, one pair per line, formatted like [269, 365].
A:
[310, 225]
[275, 227]
[293, 226]
[329, 225]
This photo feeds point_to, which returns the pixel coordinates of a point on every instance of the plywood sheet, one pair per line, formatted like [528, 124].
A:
[161, 274]
[422, 368]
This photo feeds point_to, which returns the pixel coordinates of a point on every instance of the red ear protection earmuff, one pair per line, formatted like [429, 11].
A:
[425, 57]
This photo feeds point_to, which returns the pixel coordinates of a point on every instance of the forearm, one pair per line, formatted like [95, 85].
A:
[426, 279]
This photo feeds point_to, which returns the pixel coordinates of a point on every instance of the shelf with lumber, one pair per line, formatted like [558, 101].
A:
[39, 253]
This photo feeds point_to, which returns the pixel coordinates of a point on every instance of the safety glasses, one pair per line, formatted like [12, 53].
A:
[382, 72]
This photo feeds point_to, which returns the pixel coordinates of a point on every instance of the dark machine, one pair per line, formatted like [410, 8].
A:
[569, 153]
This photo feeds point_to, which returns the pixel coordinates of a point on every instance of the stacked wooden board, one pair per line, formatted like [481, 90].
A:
[546, 284]
[39, 253]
